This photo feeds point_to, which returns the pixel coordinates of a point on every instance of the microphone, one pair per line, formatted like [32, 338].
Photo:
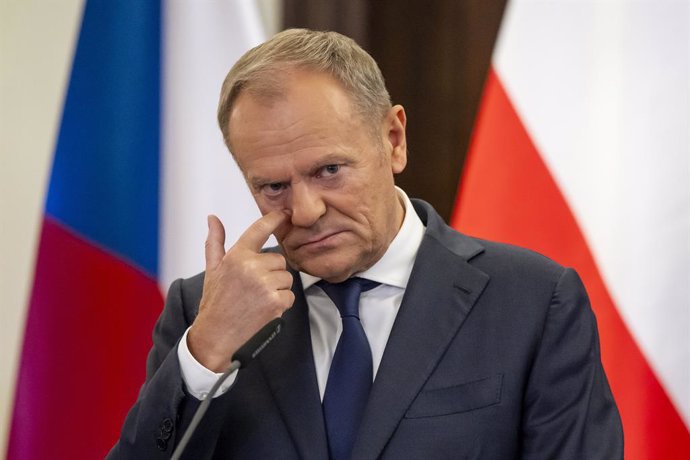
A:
[240, 359]
[258, 342]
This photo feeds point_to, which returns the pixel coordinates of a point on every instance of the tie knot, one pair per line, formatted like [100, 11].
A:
[345, 295]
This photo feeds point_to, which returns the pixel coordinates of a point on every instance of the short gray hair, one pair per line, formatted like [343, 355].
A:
[260, 69]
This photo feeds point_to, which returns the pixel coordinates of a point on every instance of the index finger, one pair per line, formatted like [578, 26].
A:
[258, 233]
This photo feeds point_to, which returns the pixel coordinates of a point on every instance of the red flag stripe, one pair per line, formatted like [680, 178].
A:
[88, 328]
[507, 194]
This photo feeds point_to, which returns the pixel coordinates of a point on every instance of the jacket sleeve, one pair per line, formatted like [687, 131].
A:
[569, 409]
[163, 409]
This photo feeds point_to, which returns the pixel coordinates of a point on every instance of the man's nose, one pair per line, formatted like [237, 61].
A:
[306, 205]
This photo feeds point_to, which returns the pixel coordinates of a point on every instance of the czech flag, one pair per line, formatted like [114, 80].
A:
[581, 151]
[139, 162]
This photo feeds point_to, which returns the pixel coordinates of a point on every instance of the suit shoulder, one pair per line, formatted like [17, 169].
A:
[516, 261]
[483, 253]
[196, 279]
[187, 291]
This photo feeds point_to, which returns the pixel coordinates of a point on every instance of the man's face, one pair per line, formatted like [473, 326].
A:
[308, 153]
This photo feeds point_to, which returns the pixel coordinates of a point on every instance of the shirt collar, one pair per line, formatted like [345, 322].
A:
[395, 266]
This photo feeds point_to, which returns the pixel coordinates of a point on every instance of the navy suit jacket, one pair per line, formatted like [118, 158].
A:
[494, 354]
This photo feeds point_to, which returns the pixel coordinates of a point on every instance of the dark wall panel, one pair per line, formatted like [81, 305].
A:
[434, 56]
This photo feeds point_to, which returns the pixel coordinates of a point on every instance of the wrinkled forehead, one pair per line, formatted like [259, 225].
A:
[297, 95]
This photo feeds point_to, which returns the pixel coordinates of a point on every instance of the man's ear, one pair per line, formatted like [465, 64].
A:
[395, 123]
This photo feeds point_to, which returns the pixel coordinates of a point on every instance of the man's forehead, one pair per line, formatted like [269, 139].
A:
[308, 108]
[269, 91]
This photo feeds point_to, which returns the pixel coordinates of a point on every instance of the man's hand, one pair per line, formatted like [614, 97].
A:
[243, 290]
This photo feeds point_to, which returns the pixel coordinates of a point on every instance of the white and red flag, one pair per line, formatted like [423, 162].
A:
[581, 151]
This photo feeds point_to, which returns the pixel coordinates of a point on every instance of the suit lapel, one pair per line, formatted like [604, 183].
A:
[441, 291]
[291, 376]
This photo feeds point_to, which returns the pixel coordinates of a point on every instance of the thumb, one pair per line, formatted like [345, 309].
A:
[215, 242]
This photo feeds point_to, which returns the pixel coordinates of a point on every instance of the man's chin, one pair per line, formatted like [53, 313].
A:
[322, 267]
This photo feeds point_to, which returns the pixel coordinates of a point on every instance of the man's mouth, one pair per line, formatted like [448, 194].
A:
[319, 241]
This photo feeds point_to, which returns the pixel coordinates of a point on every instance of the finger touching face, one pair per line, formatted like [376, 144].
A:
[258, 233]
[308, 154]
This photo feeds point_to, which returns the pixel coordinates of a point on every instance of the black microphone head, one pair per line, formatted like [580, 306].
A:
[258, 342]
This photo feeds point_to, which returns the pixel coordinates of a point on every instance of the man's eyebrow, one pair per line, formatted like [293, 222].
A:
[334, 157]
[330, 159]
[327, 159]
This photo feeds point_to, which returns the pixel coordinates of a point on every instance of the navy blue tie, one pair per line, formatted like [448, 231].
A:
[351, 373]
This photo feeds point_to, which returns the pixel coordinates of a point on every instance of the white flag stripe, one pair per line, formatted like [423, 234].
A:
[603, 89]
[202, 40]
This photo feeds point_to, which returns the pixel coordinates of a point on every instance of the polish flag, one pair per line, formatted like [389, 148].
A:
[581, 152]
[139, 162]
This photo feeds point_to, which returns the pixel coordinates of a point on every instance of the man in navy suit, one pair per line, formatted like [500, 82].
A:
[477, 349]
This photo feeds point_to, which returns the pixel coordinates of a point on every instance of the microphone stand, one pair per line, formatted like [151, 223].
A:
[240, 359]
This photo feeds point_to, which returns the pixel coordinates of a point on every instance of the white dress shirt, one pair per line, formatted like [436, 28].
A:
[378, 308]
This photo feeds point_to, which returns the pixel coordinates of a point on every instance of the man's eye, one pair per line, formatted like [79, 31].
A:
[273, 189]
[329, 170]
